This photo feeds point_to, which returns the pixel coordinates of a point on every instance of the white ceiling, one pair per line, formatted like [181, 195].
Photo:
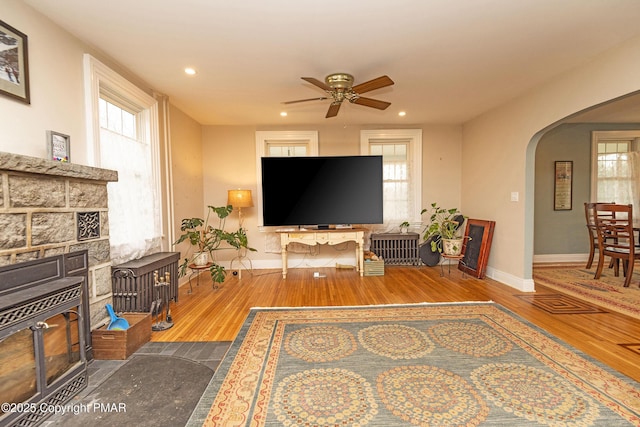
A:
[451, 60]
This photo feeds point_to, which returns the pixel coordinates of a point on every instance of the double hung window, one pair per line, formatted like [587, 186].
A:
[401, 151]
[616, 169]
[124, 130]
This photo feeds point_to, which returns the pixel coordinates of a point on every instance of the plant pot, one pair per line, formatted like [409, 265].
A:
[452, 246]
[404, 230]
[201, 258]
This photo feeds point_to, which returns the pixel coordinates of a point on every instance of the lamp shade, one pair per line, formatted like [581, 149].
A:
[240, 198]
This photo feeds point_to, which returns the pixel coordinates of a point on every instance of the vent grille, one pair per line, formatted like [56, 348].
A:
[396, 248]
[28, 310]
[62, 396]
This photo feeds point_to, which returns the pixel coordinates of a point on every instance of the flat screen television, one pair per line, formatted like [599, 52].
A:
[321, 191]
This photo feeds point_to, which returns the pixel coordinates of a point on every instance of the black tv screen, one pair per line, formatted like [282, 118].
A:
[321, 191]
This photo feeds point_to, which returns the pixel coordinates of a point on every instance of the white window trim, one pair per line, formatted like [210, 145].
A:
[97, 75]
[603, 136]
[262, 139]
[415, 156]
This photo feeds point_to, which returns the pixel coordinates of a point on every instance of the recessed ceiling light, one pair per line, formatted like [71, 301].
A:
[402, 113]
[190, 71]
[283, 114]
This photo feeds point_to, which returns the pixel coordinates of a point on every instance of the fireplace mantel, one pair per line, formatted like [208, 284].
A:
[19, 163]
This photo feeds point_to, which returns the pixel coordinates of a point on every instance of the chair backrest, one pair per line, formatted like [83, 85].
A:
[590, 213]
[614, 225]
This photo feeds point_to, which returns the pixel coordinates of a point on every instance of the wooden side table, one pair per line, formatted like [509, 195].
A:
[195, 271]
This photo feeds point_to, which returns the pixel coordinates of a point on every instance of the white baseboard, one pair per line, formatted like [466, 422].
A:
[527, 285]
[523, 285]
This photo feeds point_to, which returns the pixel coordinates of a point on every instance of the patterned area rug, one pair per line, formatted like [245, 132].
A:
[424, 364]
[606, 292]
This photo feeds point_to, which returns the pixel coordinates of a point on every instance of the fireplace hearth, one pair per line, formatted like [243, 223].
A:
[44, 336]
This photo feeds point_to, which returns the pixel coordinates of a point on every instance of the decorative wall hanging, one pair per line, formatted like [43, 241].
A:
[14, 64]
[563, 184]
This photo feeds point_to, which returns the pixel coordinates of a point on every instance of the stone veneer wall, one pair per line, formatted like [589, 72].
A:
[39, 205]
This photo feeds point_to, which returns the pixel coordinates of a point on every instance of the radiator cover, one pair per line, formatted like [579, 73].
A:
[396, 248]
[132, 282]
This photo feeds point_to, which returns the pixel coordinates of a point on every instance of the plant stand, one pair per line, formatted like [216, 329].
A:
[450, 258]
[195, 271]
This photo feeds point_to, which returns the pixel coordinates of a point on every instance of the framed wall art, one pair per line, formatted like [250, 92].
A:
[14, 64]
[563, 185]
[58, 146]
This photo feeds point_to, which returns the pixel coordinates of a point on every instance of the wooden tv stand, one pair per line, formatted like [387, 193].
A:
[332, 236]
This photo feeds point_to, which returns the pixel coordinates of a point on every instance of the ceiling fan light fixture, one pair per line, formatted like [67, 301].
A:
[339, 80]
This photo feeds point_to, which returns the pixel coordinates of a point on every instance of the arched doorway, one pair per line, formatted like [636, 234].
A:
[559, 236]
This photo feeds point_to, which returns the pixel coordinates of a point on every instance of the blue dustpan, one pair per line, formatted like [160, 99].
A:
[117, 323]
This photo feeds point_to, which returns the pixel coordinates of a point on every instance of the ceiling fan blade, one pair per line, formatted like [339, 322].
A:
[369, 102]
[374, 84]
[322, 98]
[317, 82]
[333, 109]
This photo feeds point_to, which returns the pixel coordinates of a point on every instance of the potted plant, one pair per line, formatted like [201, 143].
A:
[444, 230]
[404, 227]
[205, 239]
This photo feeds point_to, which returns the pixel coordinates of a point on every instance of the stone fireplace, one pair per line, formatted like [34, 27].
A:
[50, 208]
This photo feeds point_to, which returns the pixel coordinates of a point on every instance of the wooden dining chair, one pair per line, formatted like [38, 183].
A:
[590, 214]
[616, 238]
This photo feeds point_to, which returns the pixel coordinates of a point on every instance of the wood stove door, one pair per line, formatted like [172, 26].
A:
[37, 360]
[60, 344]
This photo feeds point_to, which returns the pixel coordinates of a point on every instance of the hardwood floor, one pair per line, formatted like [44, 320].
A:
[217, 315]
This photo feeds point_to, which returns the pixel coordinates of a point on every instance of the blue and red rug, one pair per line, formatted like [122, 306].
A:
[457, 364]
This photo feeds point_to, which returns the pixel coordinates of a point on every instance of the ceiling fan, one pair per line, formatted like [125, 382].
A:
[339, 86]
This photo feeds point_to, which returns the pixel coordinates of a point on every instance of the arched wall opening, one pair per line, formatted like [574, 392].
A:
[560, 236]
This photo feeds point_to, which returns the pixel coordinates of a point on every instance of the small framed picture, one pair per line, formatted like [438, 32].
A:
[563, 185]
[58, 146]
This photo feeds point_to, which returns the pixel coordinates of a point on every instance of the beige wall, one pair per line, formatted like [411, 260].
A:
[187, 170]
[499, 152]
[55, 75]
[228, 155]
[442, 165]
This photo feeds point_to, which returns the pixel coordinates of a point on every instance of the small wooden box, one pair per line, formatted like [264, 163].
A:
[119, 345]
[374, 268]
